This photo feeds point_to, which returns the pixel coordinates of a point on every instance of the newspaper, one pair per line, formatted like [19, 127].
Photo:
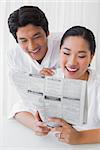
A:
[55, 97]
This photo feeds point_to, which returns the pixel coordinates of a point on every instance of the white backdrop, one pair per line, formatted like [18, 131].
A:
[61, 15]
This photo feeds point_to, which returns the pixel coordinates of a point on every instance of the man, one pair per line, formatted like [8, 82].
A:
[36, 53]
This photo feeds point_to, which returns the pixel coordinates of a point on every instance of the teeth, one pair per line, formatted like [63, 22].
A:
[71, 69]
[35, 51]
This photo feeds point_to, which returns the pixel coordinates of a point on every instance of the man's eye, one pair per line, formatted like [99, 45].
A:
[36, 37]
[23, 41]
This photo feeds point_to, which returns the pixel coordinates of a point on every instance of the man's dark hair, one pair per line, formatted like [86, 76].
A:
[27, 15]
[82, 32]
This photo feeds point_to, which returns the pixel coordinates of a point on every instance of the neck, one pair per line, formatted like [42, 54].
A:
[86, 76]
[39, 61]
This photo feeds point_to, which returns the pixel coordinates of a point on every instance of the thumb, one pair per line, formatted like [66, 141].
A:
[37, 116]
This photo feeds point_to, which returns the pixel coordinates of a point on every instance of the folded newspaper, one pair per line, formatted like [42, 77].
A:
[54, 97]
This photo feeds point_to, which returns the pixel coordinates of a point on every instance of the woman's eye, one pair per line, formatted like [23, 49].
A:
[66, 53]
[81, 56]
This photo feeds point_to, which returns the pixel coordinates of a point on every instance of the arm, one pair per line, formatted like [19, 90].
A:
[67, 134]
[33, 122]
[90, 136]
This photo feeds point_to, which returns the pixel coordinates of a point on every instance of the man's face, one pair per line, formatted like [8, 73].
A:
[33, 41]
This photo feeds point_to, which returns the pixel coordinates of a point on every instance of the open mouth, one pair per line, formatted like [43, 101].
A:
[71, 69]
[36, 51]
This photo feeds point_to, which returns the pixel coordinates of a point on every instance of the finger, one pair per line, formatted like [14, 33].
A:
[62, 140]
[41, 134]
[57, 135]
[56, 129]
[42, 129]
[60, 121]
[50, 71]
[44, 73]
[57, 120]
[40, 124]
[60, 136]
[37, 116]
[47, 71]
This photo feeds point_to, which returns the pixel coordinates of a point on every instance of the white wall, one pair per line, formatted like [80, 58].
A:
[61, 15]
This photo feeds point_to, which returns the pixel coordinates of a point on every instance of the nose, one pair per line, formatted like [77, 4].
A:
[31, 46]
[72, 61]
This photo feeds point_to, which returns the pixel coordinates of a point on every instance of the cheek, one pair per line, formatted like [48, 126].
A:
[24, 47]
[84, 64]
[42, 41]
[62, 61]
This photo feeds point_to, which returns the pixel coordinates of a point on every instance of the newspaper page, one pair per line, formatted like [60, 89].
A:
[65, 98]
[74, 101]
[30, 88]
[54, 97]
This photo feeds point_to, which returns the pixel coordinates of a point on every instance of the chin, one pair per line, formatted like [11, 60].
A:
[36, 58]
[70, 76]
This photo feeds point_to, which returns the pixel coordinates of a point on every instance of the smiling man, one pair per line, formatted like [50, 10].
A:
[29, 26]
[37, 52]
[33, 41]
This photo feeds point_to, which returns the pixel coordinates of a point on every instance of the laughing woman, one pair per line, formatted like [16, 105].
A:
[77, 50]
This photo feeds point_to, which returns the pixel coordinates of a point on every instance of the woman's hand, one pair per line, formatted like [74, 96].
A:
[66, 133]
[47, 72]
[39, 127]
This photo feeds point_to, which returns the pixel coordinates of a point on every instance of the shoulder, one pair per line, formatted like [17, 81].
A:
[94, 75]
[54, 43]
[55, 38]
[17, 59]
[14, 52]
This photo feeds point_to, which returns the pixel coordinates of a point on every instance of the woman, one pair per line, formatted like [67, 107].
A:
[77, 50]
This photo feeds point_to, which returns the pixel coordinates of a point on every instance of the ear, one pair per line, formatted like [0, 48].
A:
[48, 33]
[91, 58]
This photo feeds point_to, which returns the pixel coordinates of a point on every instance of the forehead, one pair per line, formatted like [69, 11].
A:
[29, 30]
[76, 42]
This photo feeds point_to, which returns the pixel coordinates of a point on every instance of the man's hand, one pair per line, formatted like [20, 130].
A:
[39, 127]
[47, 72]
[33, 122]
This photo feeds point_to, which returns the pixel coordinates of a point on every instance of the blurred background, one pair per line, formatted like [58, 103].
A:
[61, 16]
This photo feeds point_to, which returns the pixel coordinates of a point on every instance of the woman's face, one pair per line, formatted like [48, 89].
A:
[75, 57]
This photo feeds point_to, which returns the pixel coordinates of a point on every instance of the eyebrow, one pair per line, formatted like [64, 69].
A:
[37, 33]
[81, 51]
[67, 48]
[22, 38]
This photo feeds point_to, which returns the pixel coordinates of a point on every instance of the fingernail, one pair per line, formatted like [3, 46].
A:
[53, 73]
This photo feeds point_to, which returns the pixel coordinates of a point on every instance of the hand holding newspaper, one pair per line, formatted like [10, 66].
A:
[54, 97]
